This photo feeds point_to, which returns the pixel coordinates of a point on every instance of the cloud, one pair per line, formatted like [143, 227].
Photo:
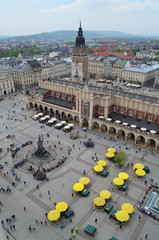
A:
[34, 16]
[125, 15]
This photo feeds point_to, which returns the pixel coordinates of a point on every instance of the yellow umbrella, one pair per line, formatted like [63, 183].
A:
[122, 216]
[140, 172]
[53, 215]
[105, 194]
[78, 187]
[123, 175]
[61, 206]
[102, 163]
[98, 168]
[99, 201]
[118, 181]
[111, 150]
[138, 166]
[127, 207]
[110, 154]
[84, 180]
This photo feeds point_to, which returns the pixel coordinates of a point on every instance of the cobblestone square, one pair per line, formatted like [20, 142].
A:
[37, 202]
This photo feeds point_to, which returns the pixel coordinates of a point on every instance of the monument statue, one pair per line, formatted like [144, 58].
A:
[41, 152]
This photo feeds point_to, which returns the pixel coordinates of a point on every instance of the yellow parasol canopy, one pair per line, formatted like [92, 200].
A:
[61, 206]
[140, 172]
[113, 150]
[105, 194]
[102, 163]
[118, 181]
[110, 154]
[138, 166]
[84, 180]
[98, 168]
[127, 207]
[78, 187]
[123, 175]
[122, 216]
[99, 201]
[53, 215]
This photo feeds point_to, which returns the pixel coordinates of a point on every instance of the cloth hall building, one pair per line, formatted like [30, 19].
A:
[124, 115]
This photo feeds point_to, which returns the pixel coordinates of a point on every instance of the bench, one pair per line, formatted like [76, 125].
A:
[90, 229]
[69, 213]
[112, 213]
[103, 173]
[85, 192]
[108, 208]
[146, 168]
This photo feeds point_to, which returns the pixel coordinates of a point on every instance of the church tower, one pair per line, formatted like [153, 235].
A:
[80, 59]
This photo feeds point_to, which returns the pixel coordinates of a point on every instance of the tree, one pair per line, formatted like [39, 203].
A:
[90, 50]
[121, 158]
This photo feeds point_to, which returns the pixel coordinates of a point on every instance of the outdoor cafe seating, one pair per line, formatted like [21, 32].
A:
[103, 173]
[108, 208]
[85, 192]
[69, 212]
[124, 187]
[113, 238]
[112, 214]
[146, 169]
[90, 229]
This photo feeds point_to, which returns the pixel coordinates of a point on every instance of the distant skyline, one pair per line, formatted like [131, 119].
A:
[25, 17]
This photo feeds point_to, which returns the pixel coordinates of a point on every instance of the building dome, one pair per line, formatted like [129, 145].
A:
[80, 40]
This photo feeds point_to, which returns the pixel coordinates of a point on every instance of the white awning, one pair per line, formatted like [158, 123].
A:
[109, 119]
[143, 129]
[58, 125]
[152, 131]
[42, 119]
[71, 124]
[125, 123]
[63, 122]
[133, 126]
[118, 121]
[67, 127]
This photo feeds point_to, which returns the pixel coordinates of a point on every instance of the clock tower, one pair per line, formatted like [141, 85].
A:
[80, 59]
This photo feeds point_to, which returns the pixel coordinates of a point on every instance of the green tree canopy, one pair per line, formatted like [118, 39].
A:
[121, 158]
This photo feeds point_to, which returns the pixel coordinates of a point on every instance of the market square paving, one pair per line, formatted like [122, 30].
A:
[17, 122]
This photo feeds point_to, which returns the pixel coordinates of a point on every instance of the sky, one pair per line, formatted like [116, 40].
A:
[24, 17]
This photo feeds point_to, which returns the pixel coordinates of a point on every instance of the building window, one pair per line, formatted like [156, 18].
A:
[122, 110]
[131, 113]
[150, 118]
[85, 108]
[100, 110]
[140, 115]
[114, 109]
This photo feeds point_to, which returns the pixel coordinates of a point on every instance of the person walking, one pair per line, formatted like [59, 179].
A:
[96, 220]
[76, 229]
[146, 236]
